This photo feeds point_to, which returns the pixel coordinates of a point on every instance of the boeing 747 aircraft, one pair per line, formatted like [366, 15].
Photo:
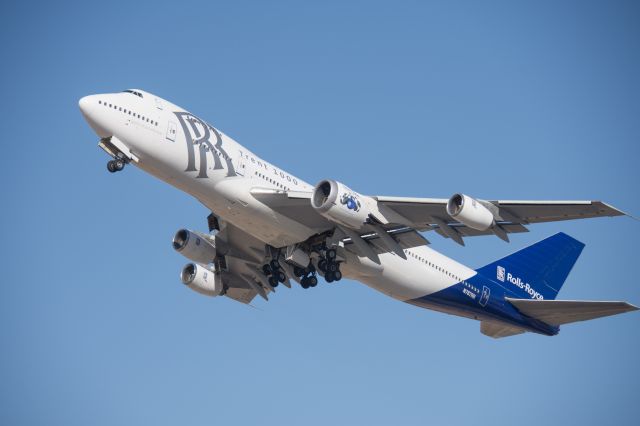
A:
[268, 227]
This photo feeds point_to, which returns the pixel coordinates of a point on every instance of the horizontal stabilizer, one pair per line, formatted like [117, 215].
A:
[498, 330]
[557, 312]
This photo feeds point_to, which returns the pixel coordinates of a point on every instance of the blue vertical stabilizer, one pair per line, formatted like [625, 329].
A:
[537, 271]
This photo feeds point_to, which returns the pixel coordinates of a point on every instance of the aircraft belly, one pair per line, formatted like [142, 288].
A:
[408, 279]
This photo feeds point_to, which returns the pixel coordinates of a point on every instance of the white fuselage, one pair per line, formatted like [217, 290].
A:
[184, 151]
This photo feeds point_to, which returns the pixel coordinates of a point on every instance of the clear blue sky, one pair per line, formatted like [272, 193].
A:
[530, 100]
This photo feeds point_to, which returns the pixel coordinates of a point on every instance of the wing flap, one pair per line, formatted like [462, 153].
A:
[557, 312]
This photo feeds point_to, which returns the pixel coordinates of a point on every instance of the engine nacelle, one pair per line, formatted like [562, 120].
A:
[338, 203]
[200, 279]
[194, 247]
[470, 212]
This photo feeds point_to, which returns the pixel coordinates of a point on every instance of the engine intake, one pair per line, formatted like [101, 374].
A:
[194, 246]
[470, 212]
[340, 204]
[202, 280]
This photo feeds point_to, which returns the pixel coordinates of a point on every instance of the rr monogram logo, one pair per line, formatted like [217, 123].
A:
[199, 133]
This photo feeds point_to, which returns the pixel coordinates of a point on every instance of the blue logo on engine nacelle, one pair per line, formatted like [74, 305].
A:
[350, 201]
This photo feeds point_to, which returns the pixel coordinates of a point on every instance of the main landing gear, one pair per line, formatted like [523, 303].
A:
[274, 273]
[307, 276]
[330, 267]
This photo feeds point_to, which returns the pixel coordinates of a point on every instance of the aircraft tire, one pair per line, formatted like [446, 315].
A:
[273, 281]
[322, 265]
[266, 269]
[304, 283]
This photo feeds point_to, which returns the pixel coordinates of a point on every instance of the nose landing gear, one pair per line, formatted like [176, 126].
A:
[117, 164]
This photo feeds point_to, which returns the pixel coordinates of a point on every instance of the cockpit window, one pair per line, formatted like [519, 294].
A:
[133, 92]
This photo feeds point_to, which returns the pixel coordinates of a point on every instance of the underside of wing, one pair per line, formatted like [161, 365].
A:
[498, 218]
[456, 218]
[557, 312]
[497, 329]
[243, 255]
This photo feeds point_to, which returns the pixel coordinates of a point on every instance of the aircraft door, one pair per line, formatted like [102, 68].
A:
[484, 297]
[241, 164]
[171, 131]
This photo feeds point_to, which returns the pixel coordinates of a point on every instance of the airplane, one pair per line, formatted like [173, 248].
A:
[268, 227]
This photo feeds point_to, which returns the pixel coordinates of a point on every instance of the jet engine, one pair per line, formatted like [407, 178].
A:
[194, 246]
[470, 212]
[200, 279]
[340, 204]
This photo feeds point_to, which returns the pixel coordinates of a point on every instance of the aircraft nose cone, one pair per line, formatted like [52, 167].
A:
[84, 104]
[92, 114]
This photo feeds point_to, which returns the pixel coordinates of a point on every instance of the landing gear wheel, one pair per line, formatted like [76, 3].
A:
[111, 166]
[273, 281]
[329, 277]
[333, 267]
[313, 281]
[337, 275]
[304, 283]
[266, 269]
[119, 164]
[322, 265]
[281, 276]
[331, 254]
[298, 271]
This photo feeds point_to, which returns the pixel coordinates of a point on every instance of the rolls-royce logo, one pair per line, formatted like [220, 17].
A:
[500, 273]
[199, 133]
[350, 201]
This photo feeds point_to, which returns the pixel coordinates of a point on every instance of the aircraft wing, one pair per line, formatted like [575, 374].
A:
[512, 215]
[243, 255]
[425, 214]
